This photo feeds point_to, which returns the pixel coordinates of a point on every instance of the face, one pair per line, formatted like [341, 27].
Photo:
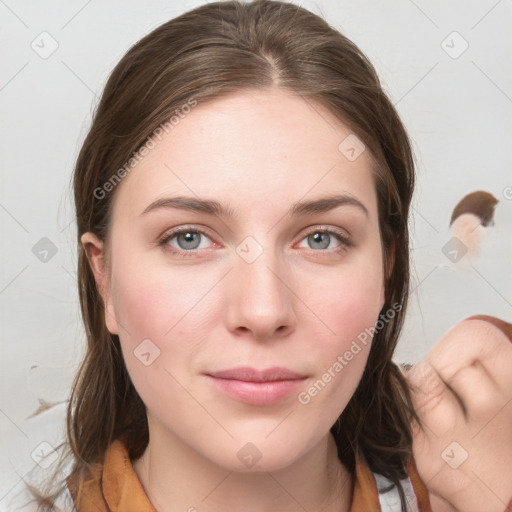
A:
[245, 272]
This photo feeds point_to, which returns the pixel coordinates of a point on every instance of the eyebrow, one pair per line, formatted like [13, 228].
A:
[213, 207]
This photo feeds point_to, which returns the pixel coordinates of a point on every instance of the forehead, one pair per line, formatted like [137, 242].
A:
[253, 149]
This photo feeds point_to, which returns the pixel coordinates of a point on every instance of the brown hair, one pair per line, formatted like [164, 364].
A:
[479, 203]
[208, 52]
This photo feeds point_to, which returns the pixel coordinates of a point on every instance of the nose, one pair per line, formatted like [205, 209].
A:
[261, 299]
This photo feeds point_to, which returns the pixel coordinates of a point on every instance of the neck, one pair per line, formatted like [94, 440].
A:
[177, 478]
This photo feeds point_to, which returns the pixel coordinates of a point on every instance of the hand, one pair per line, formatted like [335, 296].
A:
[462, 392]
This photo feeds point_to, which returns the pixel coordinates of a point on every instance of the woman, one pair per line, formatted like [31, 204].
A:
[242, 201]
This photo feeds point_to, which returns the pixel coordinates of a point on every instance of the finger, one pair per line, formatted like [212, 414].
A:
[474, 360]
[436, 405]
[505, 327]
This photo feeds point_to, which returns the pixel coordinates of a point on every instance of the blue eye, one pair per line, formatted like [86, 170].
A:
[187, 240]
[321, 239]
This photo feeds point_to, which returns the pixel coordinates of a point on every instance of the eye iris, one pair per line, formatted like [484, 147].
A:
[191, 240]
[322, 238]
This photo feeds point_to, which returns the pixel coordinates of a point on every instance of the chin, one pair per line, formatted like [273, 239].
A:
[259, 454]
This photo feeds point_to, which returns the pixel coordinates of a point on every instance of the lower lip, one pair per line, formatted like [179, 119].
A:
[257, 393]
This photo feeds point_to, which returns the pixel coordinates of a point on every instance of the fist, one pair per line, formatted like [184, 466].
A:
[462, 393]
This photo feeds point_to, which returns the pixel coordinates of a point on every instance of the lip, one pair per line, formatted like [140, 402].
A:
[257, 387]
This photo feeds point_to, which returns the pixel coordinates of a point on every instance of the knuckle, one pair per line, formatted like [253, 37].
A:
[428, 389]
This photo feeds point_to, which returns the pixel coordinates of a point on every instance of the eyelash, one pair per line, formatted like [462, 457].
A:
[345, 242]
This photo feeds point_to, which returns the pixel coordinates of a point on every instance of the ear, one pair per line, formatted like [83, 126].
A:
[93, 248]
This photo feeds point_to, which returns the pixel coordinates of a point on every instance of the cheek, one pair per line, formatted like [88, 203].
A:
[164, 316]
[154, 308]
[350, 300]
[155, 302]
[350, 303]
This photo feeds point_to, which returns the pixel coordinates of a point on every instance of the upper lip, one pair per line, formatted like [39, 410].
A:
[248, 374]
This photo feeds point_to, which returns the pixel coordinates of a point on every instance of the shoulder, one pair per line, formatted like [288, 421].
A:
[375, 492]
[389, 498]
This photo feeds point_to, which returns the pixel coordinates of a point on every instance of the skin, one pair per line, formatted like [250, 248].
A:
[296, 305]
[300, 304]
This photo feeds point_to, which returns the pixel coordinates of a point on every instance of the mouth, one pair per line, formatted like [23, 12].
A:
[257, 387]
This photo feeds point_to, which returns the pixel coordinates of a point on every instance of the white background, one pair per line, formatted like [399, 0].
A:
[457, 110]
